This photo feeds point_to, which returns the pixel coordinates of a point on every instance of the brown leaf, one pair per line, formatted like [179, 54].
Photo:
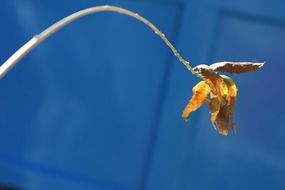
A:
[232, 89]
[200, 93]
[236, 67]
[222, 121]
[222, 114]
[234, 127]
[214, 106]
[231, 98]
[215, 82]
[207, 72]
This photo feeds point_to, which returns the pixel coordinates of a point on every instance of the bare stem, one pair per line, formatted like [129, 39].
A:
[37, 39]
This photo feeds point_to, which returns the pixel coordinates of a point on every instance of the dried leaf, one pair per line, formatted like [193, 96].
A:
[222, 121]
[232, 92]
[236, 67]
[222, 114]
[234, 127]
[214, 106]
[200, 93]
[231, 98]
[223, 92]
[207, 72]
[214, 80]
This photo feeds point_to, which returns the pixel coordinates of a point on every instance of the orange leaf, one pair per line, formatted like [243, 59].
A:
[200, 93]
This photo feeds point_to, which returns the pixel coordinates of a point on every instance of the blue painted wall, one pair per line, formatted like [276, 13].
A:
[98, 105]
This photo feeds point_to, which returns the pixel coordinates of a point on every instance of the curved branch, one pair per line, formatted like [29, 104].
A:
[37, 39]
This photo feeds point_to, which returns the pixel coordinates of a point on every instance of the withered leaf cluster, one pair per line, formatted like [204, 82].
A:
[218, 93]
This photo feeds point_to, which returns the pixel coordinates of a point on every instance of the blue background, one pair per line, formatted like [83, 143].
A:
[98, 105]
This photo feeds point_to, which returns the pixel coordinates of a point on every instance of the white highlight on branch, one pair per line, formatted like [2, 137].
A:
[36, 40]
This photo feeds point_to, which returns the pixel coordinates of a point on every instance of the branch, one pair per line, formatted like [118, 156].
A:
[37, 39]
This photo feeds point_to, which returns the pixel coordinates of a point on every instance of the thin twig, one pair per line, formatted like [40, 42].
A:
[37, 39]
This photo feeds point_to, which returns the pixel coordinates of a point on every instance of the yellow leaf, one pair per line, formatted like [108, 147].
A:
[200, 93]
